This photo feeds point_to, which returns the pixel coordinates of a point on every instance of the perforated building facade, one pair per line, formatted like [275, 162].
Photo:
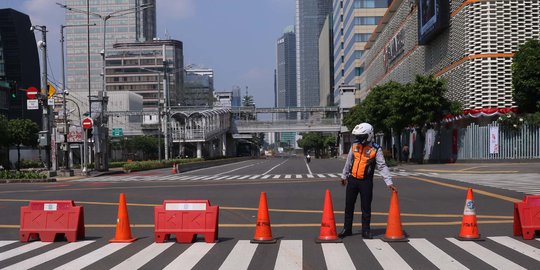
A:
[474, 54]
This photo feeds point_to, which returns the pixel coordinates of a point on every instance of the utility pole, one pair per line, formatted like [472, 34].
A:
[166, 97]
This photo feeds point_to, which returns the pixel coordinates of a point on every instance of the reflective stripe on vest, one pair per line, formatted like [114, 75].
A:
[364, 161]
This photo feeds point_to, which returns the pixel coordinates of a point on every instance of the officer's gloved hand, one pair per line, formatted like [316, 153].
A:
[392, 188]
[343, 181]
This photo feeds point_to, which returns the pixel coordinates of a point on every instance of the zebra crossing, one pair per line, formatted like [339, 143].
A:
[528, 183]
[500, 252]
[219, 177]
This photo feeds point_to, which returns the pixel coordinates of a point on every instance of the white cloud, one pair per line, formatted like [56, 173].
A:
[175, 9]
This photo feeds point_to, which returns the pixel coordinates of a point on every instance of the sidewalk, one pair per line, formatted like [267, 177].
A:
[77, 174]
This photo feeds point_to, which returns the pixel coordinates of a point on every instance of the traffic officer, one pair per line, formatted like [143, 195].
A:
[357, 174]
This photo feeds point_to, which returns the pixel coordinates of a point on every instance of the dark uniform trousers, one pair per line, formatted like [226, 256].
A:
[365, 188]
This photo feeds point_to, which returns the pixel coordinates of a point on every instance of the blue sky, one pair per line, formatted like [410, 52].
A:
[237, 38]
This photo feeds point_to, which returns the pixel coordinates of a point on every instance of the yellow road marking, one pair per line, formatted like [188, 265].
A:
[283, 210]
[291, 225]
[464, 171]
[478, 191]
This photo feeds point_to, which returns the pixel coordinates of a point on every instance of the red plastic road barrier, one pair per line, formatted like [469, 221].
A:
[186, 219]
[527, 217]
[46, 219]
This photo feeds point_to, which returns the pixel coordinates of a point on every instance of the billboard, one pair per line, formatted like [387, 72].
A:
[433, 17]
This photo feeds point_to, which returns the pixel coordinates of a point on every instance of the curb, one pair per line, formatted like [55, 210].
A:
[8, 181]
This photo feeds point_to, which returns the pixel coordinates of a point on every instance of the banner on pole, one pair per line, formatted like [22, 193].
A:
[494, 140]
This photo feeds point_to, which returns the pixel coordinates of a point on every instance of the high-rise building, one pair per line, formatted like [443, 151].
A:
[198, 88]
[354, 21]
[139, 68]
[124, 26]
[19, 65]
[286, 92]
[310, 16]
[326, 64]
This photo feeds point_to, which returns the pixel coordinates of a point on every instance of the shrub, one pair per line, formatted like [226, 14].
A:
[31, 164]
[21, 175]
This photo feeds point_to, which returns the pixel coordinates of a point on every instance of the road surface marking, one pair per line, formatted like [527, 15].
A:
[287, 176]
[93, 256]
[49, 255]
[332, 175]
[5, 243]
[244, 177]
[266, 176]
[276, 176]
[189, 258]
[435, 255]
[255, 176]
[22, 249]
[321, 175]
[298, 176]
[144, 256]
[336, 256]
[289, 255]
[239, 168]
[388, 258]
[274, 167]
[310, 176]
[307, 165]
[485, 254]
[517, 246]
[240, 256]
[221, 177]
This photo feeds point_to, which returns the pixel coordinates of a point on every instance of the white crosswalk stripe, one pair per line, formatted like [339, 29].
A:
[288, 254]
[187, 177]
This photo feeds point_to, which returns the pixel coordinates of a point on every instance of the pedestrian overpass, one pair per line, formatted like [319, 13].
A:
[211, 131]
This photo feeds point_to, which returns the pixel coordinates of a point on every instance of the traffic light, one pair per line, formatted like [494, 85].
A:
[13, 90]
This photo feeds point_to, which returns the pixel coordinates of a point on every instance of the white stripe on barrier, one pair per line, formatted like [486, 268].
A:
[336, 256]
[388, 258]
[518, 246]
[144, 256]
[435, 255]
[93, 256]
[189, 258]
[240, 256]
[485, 254]
[49, 255]
[289, 255]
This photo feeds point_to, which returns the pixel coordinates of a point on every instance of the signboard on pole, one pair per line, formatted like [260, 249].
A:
[117, 132]
[32, 104]
[75, 134]
[493, 140]
[87, 123]
[31, 92]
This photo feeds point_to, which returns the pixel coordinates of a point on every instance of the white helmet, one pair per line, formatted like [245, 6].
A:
[364, 129]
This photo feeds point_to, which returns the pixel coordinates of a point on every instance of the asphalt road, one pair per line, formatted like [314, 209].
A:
[431, 205]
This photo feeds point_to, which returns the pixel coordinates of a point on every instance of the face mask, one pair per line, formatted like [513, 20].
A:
[362, 138]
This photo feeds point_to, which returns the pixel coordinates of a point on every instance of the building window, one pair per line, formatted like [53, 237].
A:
[361, 37]
[342, 72]
[358, 71]
[371, 3]
[358, 54]
[341, 4]
[342, 59]
[368, 20]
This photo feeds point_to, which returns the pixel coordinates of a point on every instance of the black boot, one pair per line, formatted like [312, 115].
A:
[367, 235]
[344, 233]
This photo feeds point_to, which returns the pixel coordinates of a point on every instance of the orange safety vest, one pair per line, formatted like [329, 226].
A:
[364, 161]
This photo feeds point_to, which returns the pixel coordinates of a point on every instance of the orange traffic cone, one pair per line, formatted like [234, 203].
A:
[394, 231]
[174, 168]
[263, 231]
[469, 227]
[328, 223]
[123, 229]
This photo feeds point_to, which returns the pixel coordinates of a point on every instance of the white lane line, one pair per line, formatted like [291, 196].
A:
[189, 258]
[287, 176]
[387, 257]
[221, 177]
[93, 256]
[298, 176]
[485, 254]
[240, 256]
[49, 255]
[435, 255]
[22, 249]
[275, 176]
[307, 165]
[336, 256]
[5, 243]
[232, 177]
[255, 176]
[244, 177]
[239, 168]
[266, 176]
[289, 255]
[144, 256]
[275, 167]
[517, 246]
[321, 175]
[224, 165]
[332, 175]
[310, 176]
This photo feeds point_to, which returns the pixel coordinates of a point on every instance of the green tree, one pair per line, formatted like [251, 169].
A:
[316, 142]
[4, 141]
[526, 76]
[22, 132]
[247, 101]
[148, 145]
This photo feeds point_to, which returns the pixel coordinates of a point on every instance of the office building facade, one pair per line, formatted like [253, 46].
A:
[132, 26]
[286, 92]
[310, 16]
[139, 68]
[354, 21]
[198, 88]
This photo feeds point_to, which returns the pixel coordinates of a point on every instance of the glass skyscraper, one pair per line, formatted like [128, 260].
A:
[310, 17]
[131, 27]
[286, 71]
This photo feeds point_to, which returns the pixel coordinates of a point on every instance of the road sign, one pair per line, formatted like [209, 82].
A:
[75, 134]
[87, 123]
[31, 92]
[51, 91]
[117, 132]
[32, 104]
